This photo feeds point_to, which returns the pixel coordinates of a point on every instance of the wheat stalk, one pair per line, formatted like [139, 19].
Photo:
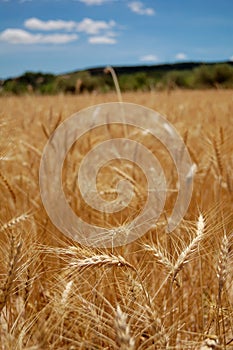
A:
[109, 69]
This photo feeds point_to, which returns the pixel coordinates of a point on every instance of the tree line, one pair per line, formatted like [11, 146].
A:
[144, 78]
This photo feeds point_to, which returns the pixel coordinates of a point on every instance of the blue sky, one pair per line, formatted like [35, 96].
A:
[59, 36]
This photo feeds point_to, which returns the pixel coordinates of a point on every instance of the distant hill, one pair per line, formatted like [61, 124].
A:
[189, 75]
[155, 68]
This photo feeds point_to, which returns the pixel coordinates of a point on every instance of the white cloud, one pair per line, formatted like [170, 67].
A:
[93, 2]
[37, 24]
[87, 25]
[100, 32]
[101, 40]
[181, 56]
[231, 58]
[90, 26]
[19, 36]
[140, 9]
[149, 58]
[57, 38]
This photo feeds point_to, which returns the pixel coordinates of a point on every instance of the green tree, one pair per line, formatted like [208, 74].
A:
[223, 74]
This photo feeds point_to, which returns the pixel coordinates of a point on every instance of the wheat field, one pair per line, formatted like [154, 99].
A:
[163, 291]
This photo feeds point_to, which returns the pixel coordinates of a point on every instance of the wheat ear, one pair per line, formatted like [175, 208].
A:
[222, 263]
[9, 225]
[221, 274]
[210, 343]
[186, 254]
[8, 186]
[160, 256]
[123, 338]
[108, 260]
[66, 292]
[101, 260]
[218, 156]
[14, 255]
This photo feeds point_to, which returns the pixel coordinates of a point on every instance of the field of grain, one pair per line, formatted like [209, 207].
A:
[163, 291]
